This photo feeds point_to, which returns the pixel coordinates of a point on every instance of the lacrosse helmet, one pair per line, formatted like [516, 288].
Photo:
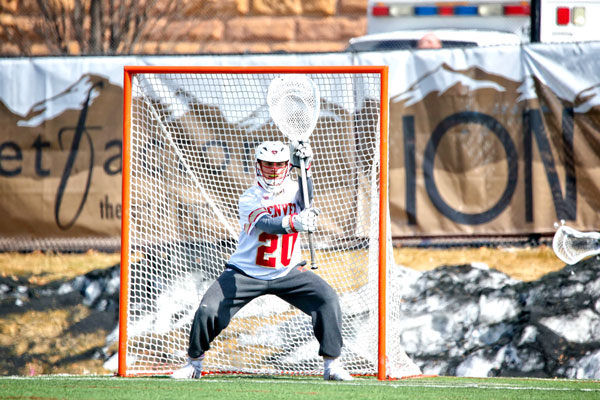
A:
[272, 164]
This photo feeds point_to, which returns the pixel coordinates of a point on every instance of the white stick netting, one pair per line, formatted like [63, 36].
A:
[192, 140]
[294, 104]
[572, 246]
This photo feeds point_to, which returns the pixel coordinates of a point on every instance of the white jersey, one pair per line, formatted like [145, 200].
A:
[260, 254]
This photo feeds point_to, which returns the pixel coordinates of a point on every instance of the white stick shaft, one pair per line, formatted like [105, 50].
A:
[313, 259]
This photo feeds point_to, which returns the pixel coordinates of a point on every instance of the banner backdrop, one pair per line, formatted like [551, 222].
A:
[500, 140]
[491, 141]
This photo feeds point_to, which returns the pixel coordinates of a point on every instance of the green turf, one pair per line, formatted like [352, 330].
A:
[262, 387]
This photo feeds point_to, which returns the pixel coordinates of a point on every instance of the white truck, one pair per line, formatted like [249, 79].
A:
[399, 24]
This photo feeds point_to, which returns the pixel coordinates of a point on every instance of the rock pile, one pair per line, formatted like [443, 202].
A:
[471, 321]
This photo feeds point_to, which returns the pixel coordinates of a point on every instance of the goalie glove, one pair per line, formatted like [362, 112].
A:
[306, 221]
[300, 150]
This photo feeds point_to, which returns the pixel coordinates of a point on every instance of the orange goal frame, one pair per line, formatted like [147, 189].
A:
[129, 71]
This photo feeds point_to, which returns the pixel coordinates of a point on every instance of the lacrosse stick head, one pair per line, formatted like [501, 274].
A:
[572, 246]
[294, 103]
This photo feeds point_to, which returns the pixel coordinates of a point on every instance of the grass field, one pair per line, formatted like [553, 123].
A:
[267, 387]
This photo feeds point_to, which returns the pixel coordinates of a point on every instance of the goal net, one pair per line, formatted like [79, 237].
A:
[188, 155]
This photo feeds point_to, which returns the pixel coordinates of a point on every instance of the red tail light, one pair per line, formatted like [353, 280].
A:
[563, 15]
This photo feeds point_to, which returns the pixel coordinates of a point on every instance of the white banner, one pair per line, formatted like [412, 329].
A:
[493, 141]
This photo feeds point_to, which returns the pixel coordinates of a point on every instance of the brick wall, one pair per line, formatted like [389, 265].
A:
[208, 27]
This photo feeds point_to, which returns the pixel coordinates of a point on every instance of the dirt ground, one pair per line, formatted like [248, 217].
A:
[522, 263]
[45, 337]
[71, 338]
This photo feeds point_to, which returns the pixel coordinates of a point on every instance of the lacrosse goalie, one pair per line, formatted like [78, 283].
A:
[268, 261]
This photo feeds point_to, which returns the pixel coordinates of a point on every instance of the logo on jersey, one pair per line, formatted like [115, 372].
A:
[276, 210]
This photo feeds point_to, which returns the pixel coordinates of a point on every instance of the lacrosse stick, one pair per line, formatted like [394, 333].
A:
[572, 246]
[294, 104]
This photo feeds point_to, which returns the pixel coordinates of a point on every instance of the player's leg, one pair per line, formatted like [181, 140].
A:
[314, 296]
[223, 299]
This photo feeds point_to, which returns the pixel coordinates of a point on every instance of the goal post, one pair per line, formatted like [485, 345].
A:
[189, 135]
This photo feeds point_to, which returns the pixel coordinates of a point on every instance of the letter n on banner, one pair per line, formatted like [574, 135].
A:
[565, 206]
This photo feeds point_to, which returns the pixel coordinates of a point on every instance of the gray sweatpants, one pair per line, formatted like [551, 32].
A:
[301, 288]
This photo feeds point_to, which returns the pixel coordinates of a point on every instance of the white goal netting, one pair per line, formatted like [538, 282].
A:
[189, 155]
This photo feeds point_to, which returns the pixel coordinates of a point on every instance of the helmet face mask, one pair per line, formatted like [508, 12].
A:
[272, 165]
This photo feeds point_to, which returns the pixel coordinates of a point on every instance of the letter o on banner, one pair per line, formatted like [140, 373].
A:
[501, 133]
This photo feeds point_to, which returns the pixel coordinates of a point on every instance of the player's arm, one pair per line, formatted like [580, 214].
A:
[305, 221]
[303, 150]
[272, 225]
[259, 218]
